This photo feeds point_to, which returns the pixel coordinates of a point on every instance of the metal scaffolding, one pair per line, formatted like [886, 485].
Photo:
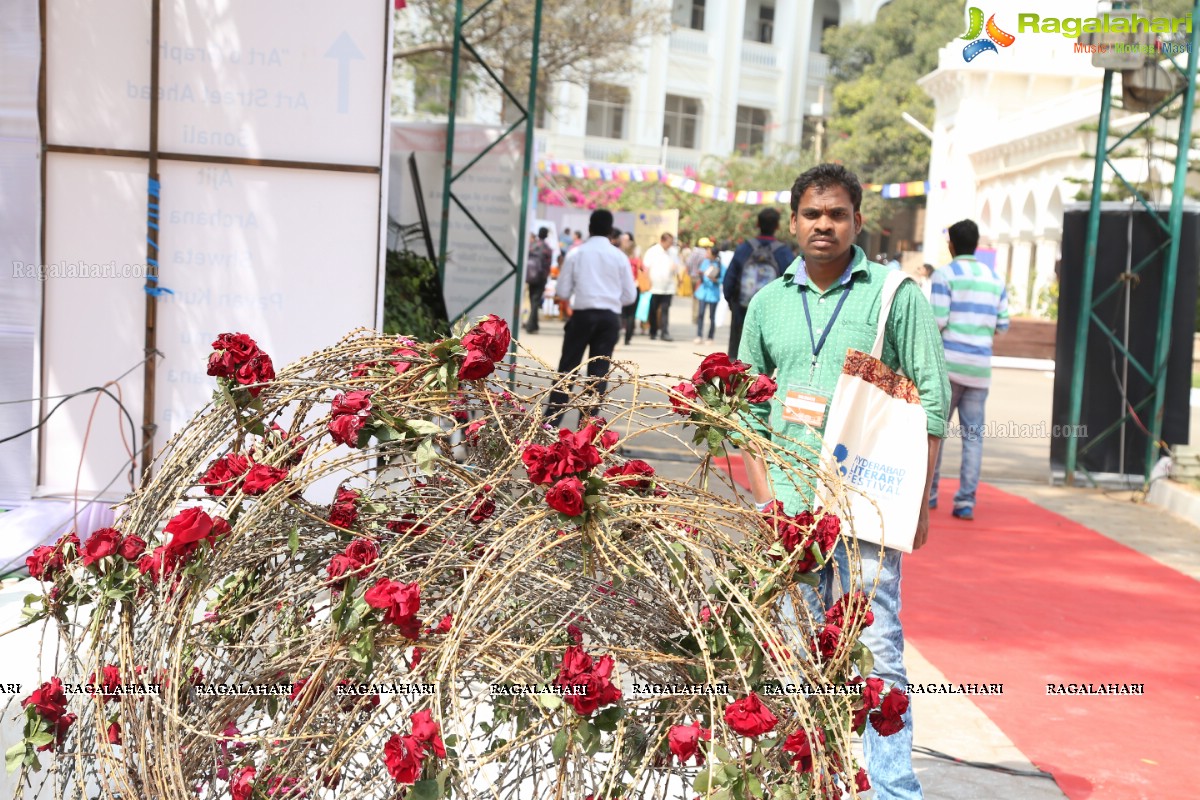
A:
[515, 261]
[1156, 372]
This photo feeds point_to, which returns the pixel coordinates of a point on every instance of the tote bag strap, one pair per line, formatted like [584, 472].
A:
[890, 286]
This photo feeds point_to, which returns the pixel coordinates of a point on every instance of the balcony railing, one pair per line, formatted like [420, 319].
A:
[758, 55]
[818, 68]
[686, 40]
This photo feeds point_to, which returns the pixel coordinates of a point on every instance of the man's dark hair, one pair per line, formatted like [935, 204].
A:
[768, 221]
[614, 234]
[666, 235]
[964, 235]
[824, 176]
[601, 222]
[543, 233]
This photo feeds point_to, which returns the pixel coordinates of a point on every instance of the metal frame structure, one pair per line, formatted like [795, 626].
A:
[450, 175]
[1156, 372]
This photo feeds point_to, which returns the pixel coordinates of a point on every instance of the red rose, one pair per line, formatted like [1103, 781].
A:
[680, 397]
[400, 602]
[110, 679]
[408, 356]
[476, 365]
[684, 741]
[827, 530]
[242, 785]
[222, 364]
[190, 525]
[566, 497]
[351, 403]
[131, 548]
[762, 390]
[114, 733]
[257, 370]
[403, 756]
[575, 662]
[541, 463]
[49, 700]
[471, 434]
[490, 337]
[45, 562]
[408, 524]
[826, 642]
[577, 450]
[836, 614]
[888, 719]
[482, 508]
[635, 475]
[337, 568]
[61, 726]
[428, 732]
[101, 544]
[261, 478]
[720, 367]
[362, 551]
[800, 744]
[238, 345]
[344, 429]
[444, 624]
[749, 717]
[861, 782]
[597, 689]
[222, 475]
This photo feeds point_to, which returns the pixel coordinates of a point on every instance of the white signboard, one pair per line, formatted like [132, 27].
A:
[288, 252]
[477, 276]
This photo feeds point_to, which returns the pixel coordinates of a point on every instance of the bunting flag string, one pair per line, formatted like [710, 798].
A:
[623, 173]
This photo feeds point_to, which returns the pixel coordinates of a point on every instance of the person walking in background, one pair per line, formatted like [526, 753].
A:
[664, 282]
[692, 260]
[628, 247]
[577, 240]
[564, 240]
[537, 272]
[708, 293]
[598, 277]
[970, 304]
[756, 262]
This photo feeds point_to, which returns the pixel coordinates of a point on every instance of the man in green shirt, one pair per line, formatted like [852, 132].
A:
[798, 328]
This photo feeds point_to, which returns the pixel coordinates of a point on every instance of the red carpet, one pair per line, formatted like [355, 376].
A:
[1025, 597]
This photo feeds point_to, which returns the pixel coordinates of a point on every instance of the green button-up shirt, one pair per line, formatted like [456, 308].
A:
[776, 341]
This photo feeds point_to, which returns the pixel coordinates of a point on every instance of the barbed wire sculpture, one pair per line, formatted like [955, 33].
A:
[380, 573]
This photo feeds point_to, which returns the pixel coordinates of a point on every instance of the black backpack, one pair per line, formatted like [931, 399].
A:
[537, 264]
[760, 269]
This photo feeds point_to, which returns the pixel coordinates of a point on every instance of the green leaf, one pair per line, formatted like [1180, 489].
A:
[426, 456]
[550, 702]
[425, 790]
[863, 659]
[40, 739]
[722, 753]
[755, 786]
[293, 540]
[14, 756]
[701, 783]
[560, 744]
[424, 427]
[607, 719]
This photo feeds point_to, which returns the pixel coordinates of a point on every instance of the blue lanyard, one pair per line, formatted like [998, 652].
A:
[817, 344]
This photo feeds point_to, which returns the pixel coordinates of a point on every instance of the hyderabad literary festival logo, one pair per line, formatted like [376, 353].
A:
[1069, 27]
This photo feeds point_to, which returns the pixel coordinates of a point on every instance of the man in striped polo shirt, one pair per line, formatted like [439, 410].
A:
[970, 304]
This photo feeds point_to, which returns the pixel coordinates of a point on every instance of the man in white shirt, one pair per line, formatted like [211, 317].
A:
[664, 282]
[598, 276]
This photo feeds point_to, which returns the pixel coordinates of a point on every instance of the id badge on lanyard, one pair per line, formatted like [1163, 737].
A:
[805, 403]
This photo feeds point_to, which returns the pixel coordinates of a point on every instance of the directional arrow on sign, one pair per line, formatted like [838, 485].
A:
[344, 50]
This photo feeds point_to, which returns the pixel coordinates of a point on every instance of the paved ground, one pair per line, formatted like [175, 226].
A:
[1021, 401]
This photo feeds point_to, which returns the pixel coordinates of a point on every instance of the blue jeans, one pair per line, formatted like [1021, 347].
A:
[969, 401]
[889, 758]
[710, 308]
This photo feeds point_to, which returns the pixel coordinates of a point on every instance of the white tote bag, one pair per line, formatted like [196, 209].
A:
[875, 438]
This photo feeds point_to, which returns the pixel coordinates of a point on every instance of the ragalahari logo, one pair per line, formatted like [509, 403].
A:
[975, 28]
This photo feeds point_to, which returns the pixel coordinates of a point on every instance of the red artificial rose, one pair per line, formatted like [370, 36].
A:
[261, 478]
[408, 524]
[238, 345]
[476, 365]
[61, 726]
[344, 429]
[762, 390]
[114, 733]
[635, 475]
[490, 337]
[836, 614]
[888, 718]
[861, 782]
[257, 370]
[800, 744]
[222, 364]
[566, 497]
[749, 717]
[403, 756]
[720, 367]
[539, 463]
[400, 602]
[428, 732]
[49, 700]
[575, 662]
[684, 741]
[110, 680]
[597, 690]
[45, 562]
[408, 356]
[826, 642]
[190, 525]
[222, 475]
[482, 508]
[242, 785]
[682, 398]
[362, 551]
[131, 548]
[827, 530]
[101, 544]
[574, 635]
[351, 403]
[576, 450]
[220, 527]
[444, 624]
[471, 434]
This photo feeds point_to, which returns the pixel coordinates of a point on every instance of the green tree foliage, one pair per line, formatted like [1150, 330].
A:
[874, 69]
